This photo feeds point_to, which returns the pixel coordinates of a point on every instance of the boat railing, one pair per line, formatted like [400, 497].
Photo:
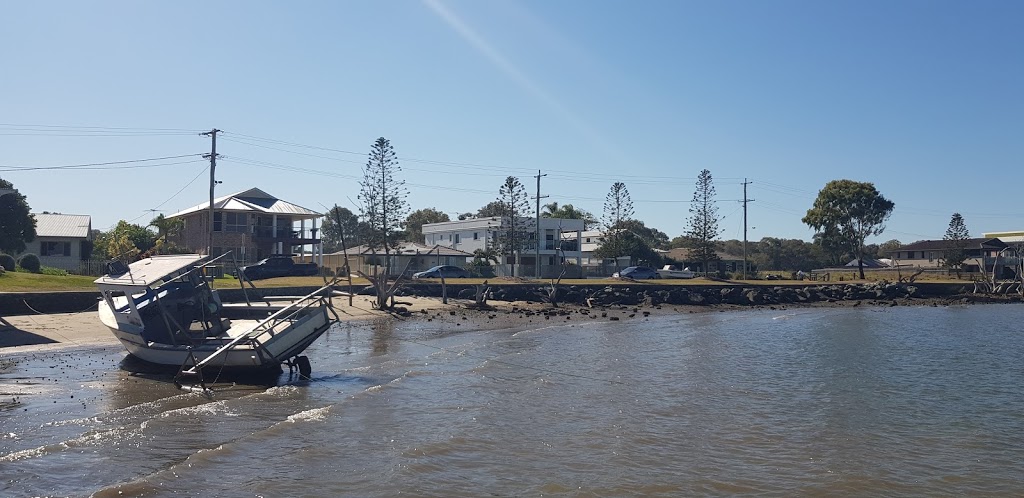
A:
[268, 324]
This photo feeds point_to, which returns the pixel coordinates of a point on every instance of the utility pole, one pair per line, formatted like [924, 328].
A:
[745, 201]
[536, 260]
[213, 182]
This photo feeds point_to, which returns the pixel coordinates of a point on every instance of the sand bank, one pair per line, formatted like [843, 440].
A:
[47, 331]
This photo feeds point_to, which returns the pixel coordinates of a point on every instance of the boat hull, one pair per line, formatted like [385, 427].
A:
[273, 349]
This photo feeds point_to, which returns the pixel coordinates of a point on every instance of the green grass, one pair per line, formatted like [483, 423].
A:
[38, 282]
[232, 283]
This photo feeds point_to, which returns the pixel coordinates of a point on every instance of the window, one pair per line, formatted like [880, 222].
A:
[476, 235]
[235, 222]
[217, 221]
[456, 238]
[54, 248]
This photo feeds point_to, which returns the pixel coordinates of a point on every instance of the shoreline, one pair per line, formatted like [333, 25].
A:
[55, 331]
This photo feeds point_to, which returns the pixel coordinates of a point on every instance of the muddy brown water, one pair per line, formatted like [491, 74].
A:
[852, 401]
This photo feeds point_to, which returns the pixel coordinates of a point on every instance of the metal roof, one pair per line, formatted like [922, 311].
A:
[252, 200]
[146, 271]
[939, 245]
[71, 226]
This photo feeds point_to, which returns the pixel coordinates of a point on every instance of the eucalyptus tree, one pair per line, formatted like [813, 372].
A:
[415, 221]
[340, 226]
[17, 225]
[513, 207]
[703, 230]
[846, 213]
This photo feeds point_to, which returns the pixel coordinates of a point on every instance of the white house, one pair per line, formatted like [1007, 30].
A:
[590, 240]
[480, 233]
[62, 240]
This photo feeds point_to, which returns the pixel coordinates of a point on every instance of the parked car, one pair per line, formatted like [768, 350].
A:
[448, 271]
[279, 266]
[637, 273]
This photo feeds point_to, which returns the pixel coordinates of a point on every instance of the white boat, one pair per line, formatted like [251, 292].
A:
[669, 271]
[165, 312]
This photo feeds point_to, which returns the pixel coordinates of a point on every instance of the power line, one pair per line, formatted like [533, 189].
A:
[66, 127]
[94, 166]
[568, 175]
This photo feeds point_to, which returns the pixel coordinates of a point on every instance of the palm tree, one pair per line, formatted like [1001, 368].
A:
[166, 227]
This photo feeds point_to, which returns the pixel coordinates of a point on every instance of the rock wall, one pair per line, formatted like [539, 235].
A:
[605, 295]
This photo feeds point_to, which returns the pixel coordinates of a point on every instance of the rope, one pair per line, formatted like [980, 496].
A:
[29, 306]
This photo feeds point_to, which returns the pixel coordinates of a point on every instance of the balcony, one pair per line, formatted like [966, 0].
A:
[288, 236]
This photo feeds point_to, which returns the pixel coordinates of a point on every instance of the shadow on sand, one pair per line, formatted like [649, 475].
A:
[11, 336]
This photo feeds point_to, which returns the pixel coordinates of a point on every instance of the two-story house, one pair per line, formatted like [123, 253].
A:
[480, 233]
[252, 224]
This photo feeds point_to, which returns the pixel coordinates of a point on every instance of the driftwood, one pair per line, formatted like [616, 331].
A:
[912, 277]
[480, 298]
[384, 293]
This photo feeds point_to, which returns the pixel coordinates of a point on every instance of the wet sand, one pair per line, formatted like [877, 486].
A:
[27, 333]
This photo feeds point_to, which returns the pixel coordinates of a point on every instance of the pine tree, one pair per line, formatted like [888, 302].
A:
[384, 199]
[703, 230]
[618, 210]
[513, 205]
[955, 252]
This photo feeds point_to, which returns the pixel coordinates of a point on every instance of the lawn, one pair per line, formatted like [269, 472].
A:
[37, 282]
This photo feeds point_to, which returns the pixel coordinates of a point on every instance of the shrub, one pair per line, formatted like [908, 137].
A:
[47, 270]
[480, 268]
[7, 262]
[30, 262]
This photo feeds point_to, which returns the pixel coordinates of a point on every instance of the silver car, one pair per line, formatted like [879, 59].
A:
[448, 271]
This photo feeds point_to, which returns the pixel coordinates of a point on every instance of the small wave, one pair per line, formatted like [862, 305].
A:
[73, 421]
[89, 438]
[392, 382]
[784, 317]
[33, 452]
[312, 415]
[212, 408]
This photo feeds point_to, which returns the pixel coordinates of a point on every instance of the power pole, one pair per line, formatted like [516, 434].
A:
[745, 201]
[213, 182]
[536, 260]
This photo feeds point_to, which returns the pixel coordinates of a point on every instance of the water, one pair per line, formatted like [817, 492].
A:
[854, 401]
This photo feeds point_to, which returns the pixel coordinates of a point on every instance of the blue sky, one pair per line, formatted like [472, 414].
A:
[922, 98]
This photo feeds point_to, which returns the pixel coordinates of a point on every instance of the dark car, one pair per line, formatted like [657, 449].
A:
[447, 271]
[637, 273]
[279, 266]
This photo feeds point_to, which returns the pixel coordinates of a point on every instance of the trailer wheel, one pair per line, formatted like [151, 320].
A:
[305, 369]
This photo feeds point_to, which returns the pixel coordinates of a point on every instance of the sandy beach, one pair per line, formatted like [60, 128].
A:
[59, 330]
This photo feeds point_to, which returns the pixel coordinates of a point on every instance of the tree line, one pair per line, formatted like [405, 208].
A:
[844, 214]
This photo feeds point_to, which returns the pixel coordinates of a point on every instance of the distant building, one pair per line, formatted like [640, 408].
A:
[589, 241]
[62, 240]
[480, 233]
[726, 262]
[992, 252]
[410, 257]
[252, 224]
